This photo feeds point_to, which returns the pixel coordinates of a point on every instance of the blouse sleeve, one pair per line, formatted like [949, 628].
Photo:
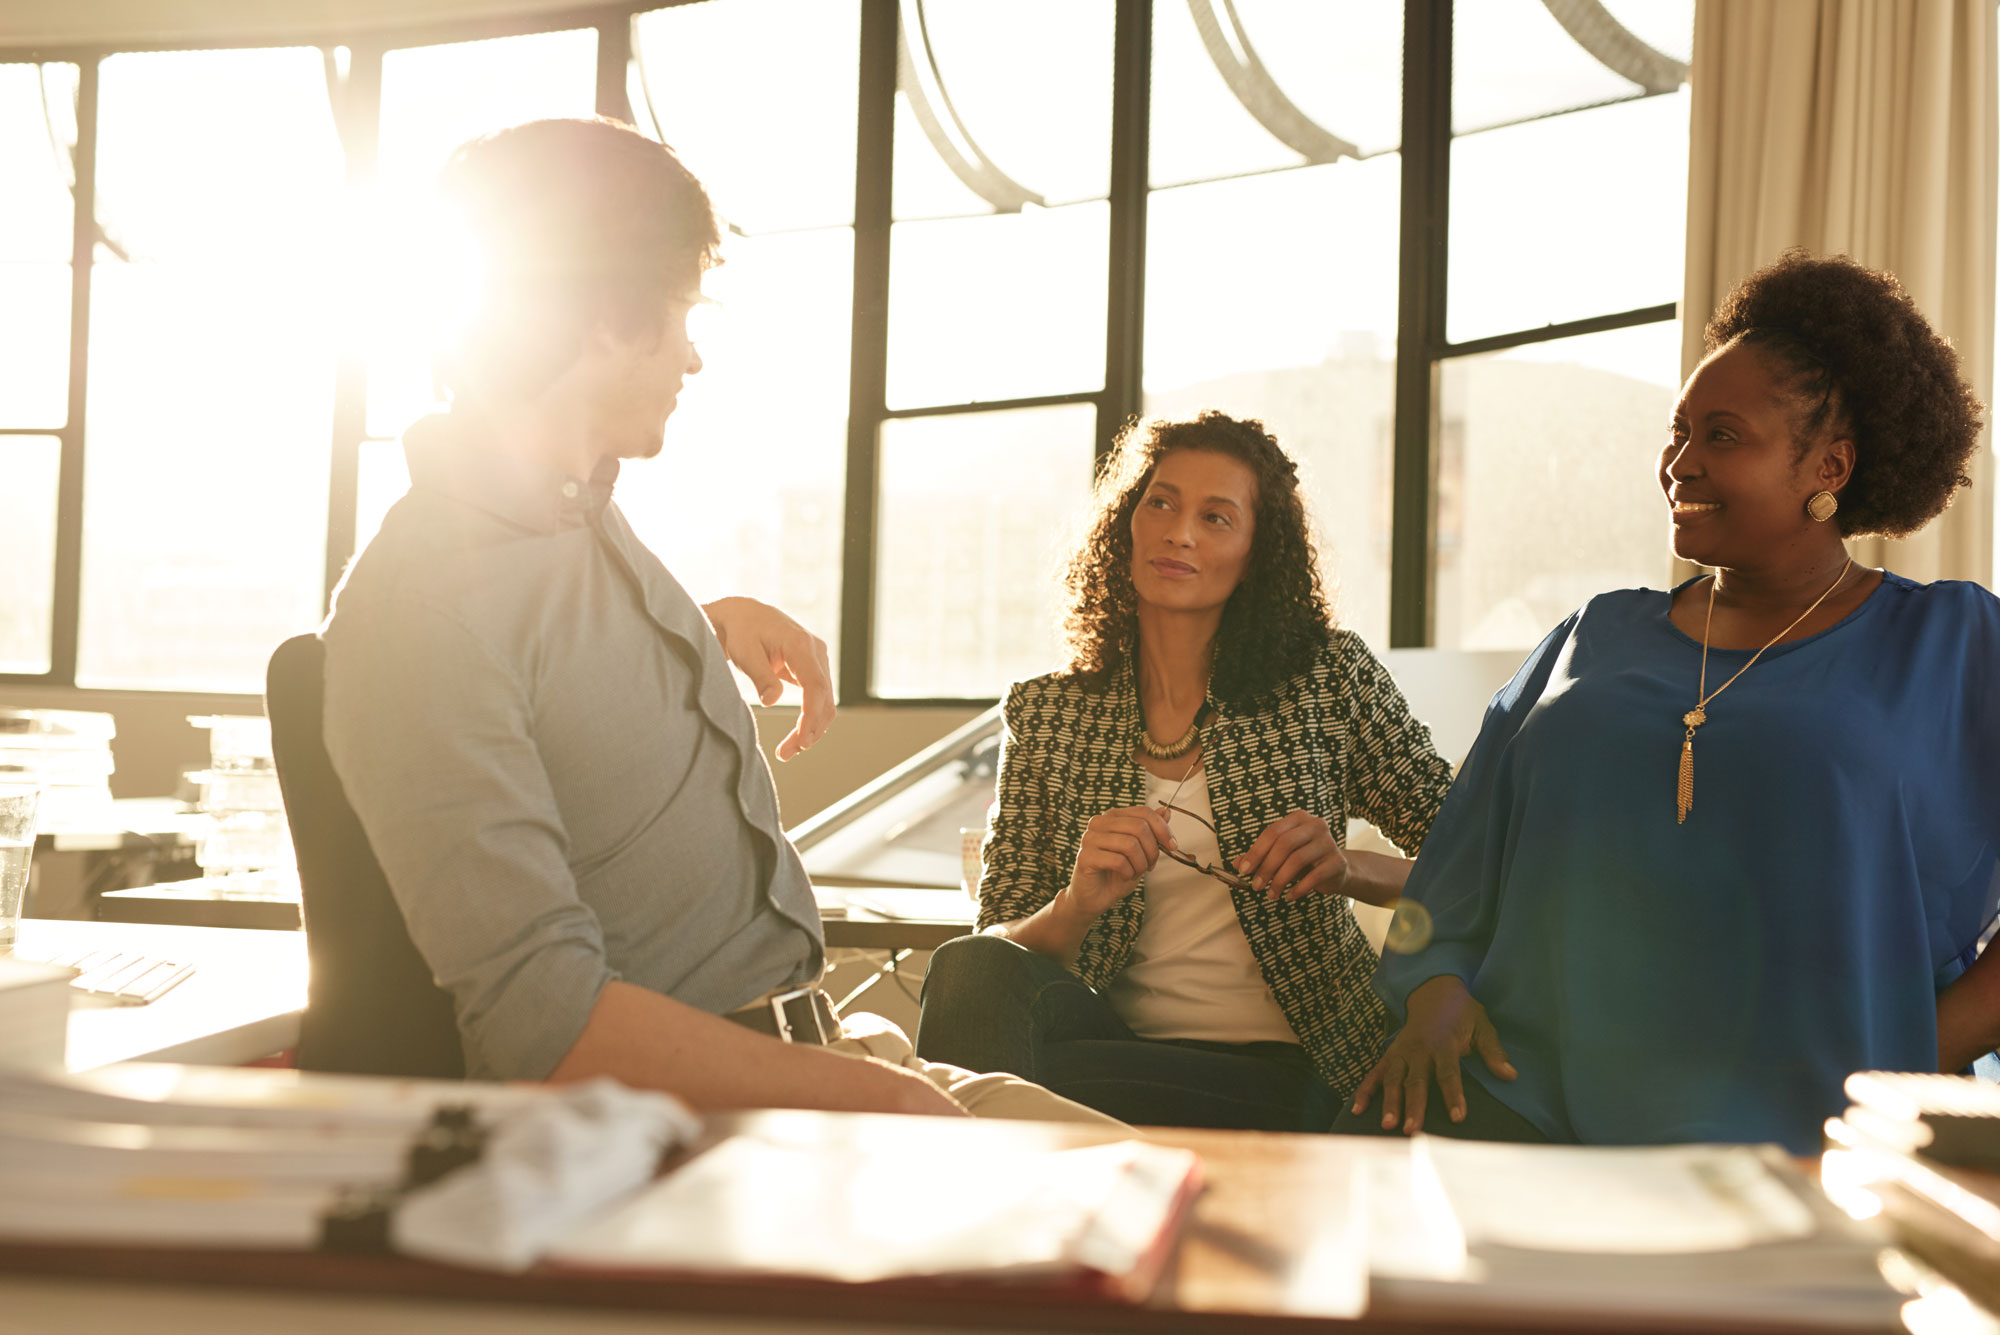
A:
[1457, 876]
[1395, 778]
[1020, 868]
[1983, 673]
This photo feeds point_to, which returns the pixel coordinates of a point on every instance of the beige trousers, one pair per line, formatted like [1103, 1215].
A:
[996, 1094]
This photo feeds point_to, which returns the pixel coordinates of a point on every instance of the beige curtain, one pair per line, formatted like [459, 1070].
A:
[1865, 128]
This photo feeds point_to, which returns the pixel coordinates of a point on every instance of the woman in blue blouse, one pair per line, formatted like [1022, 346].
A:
[1714, 849]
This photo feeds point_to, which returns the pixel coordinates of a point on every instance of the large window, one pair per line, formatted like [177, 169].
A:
[1561, 361]
[994, 368]
[1272, 215]
[37, 141]
[211, 365]
[748, 496]
[1435, 247]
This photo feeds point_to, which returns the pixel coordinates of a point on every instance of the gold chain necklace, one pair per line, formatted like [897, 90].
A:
[1697, 716]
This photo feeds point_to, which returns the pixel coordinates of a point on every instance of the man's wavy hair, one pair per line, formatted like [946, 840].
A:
[570, 222]
[1276, 621]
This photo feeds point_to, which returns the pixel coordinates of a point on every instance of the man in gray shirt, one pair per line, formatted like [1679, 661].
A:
[537, 725]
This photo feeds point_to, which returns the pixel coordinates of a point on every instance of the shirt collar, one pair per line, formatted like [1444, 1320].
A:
[444, 456]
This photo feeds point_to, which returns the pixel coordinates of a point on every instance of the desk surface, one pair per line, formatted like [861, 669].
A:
[142, 820]
[198, 904]
[1246, 1260]
[1259, 1255]
[917, 920]
[242, 1002]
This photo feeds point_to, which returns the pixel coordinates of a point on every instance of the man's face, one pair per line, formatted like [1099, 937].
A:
[643, 381]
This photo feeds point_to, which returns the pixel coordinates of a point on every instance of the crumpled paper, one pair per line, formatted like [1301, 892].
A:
[546, 1167]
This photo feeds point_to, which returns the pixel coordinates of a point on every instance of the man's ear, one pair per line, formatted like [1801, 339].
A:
[602, 353]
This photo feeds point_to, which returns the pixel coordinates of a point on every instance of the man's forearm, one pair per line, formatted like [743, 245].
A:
[649, 1041]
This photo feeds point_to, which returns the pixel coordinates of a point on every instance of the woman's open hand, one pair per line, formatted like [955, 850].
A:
[1445, 1025]
[1297, 855]
[1119, 847]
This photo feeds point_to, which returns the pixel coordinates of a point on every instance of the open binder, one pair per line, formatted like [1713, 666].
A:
[228, 1170]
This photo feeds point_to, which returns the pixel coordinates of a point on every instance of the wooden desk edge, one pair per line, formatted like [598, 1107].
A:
[870, 933]
[944, 1305]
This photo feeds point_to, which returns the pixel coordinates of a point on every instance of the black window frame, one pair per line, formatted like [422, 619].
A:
[1421, 343]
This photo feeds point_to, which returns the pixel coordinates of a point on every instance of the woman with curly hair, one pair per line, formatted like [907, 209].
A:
[1714, 849]
[1166, 927]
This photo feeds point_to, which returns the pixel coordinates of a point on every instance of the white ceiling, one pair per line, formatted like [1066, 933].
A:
[29, 23]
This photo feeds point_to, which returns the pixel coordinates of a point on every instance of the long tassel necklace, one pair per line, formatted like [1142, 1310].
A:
[1697, 716]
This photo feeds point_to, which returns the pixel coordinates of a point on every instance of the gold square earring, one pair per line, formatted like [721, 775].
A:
[1821, 506]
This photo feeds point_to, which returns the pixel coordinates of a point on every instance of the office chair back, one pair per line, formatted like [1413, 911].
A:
[372, 1007]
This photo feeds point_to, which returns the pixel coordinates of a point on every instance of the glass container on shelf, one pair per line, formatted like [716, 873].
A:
[67, 754]
[246, 828]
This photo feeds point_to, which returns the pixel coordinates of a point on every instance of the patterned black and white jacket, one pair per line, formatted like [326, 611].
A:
[1336, 740]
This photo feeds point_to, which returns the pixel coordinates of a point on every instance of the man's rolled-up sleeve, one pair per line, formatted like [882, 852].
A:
[430, 733]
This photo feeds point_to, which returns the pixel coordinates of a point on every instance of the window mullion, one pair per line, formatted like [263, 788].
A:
[69, 494]
[1124, 334]
[614, 60]
[867, 398]
[1423, 264]
[358, 113]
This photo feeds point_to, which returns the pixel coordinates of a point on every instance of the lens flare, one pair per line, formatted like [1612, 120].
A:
[1409, 928]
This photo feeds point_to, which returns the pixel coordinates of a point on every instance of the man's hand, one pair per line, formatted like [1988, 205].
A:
[1445, 1025]
[907, 1092]
[1297, 855]
[770, 648]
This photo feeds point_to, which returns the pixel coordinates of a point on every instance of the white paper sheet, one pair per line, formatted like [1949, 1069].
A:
[751, 1205]
[1640, 1201]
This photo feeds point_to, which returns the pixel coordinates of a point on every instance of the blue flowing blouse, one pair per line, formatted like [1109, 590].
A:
[1656, 982]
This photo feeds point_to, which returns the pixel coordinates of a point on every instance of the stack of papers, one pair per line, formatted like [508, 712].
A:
[503, 1177]
[478, 1174]
[1922, 1151]
[34, 1015]
[1724, 1233]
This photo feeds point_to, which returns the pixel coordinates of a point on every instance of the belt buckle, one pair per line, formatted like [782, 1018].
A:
[778, 1004]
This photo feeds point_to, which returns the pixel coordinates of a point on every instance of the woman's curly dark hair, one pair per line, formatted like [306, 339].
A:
[1275, 622]
[1862, 361]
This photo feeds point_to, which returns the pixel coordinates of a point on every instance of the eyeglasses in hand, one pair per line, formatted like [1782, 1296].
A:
[1222, 874]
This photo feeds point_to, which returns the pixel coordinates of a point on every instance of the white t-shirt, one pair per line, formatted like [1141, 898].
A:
[1191, 973]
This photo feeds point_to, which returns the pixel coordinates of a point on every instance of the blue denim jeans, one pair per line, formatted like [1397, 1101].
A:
[991, 1005]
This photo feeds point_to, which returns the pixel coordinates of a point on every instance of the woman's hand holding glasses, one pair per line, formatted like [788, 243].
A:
[1296, 856]
[1119, 847]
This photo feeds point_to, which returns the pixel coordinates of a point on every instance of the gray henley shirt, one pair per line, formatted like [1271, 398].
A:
[550, 756]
